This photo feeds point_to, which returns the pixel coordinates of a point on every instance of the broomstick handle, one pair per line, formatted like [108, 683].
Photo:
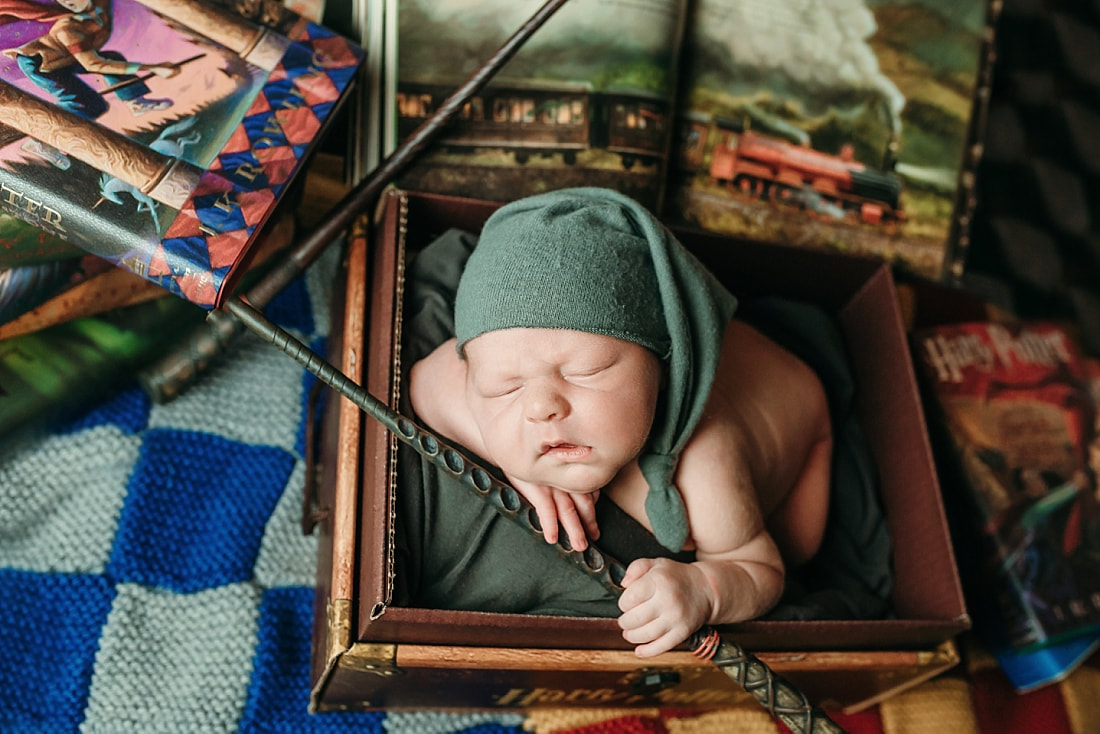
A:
[143, 78]
[175, 372]
[780, 698]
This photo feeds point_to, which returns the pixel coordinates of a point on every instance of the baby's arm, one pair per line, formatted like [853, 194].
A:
[437, 385]
[737, 575]
[763, 448]
[738, 572]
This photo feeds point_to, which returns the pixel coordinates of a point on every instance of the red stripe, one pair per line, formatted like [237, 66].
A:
[1000, 710]
[864, 722]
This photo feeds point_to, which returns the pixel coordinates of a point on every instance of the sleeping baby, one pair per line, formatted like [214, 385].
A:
[596, 359]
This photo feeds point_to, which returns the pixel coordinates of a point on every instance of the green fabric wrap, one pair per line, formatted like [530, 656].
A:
[594, 260]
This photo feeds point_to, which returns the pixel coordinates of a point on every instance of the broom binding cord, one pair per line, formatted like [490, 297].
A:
[782, 700]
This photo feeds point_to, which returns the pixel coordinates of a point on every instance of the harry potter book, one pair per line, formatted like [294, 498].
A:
[848, 125]
[587, 101]
[1020, 423]
[160, 135]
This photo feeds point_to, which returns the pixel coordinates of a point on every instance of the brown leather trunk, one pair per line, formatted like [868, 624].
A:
[368, 653]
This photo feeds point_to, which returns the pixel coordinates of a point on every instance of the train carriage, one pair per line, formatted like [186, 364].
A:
[635, 124]
[536, 119]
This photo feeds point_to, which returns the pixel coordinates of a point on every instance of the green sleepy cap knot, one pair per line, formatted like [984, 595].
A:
[594, 260]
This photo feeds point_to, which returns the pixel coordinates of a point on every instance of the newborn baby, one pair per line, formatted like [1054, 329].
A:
[595, 355]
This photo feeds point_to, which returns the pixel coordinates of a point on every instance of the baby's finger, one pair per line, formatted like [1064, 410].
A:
[636, 616]
[586, 508]
[548, 519]
[635, 571]
[570, 520]
[664, 643]
[647, 633]
[541, 498]
[547, 513]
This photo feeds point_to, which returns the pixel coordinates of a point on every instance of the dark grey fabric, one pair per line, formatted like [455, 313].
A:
[454, 551]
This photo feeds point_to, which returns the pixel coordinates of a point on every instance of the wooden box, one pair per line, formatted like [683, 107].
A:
[371, 654]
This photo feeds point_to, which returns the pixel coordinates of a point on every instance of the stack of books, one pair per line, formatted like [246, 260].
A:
[140, 182]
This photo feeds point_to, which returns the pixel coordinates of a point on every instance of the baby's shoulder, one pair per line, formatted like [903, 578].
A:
[765, 405]
[754, 370]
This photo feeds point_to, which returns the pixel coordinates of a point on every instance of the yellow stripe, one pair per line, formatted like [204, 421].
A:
[1081, 694]
[741, 719]
[941, 704]
[549, 720]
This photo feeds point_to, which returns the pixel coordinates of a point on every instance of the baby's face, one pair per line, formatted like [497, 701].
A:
[561, 408]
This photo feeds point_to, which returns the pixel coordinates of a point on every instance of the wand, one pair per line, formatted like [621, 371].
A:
[171, 375]
[782, 700]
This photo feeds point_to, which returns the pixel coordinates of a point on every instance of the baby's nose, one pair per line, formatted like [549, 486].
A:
[544, 403]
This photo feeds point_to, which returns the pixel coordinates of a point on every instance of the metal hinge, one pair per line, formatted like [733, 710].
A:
[372, 657]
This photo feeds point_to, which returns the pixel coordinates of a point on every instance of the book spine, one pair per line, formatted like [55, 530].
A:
[966, 196]
[86, 294]
[37, 203]
[27, 287]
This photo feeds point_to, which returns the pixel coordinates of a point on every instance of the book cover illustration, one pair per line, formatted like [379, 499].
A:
[837, 124]
[48, 375]
[1016, 406]
[160, 134]
[586, 101]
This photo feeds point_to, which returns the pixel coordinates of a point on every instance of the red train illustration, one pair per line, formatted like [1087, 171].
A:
[788, 174]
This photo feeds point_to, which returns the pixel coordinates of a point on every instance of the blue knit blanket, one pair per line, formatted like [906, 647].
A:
[153, 574]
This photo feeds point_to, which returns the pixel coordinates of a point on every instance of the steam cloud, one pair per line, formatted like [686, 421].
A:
[813, 44]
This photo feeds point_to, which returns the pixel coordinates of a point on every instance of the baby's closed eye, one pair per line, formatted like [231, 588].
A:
[500, 390]
[589, 370]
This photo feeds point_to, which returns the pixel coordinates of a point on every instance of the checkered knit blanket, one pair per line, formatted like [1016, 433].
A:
[153, 578]
[153, 574]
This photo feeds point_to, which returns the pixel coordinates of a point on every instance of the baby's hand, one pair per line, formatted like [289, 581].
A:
[575, 512]
[664, 602]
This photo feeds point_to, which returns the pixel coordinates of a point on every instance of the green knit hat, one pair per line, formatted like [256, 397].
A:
[594, 260]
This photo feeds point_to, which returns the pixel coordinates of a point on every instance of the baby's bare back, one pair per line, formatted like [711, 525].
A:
[761, 454]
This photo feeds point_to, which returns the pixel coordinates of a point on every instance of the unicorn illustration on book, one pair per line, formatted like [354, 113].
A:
[172, 141]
